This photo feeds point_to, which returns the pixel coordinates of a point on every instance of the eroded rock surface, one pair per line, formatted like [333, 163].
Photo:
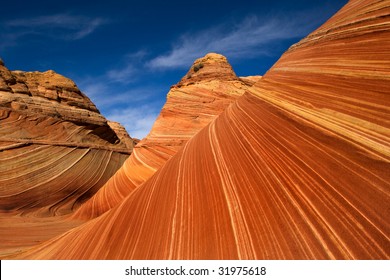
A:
[201, 95]
[296, 168]
[56, 149]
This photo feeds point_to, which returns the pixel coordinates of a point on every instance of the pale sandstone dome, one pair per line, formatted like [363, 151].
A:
[295, 168]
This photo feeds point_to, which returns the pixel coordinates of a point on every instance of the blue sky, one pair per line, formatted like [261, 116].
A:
[125, 55]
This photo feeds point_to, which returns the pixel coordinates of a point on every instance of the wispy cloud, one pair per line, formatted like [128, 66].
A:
[107, 96]
[60, 26]
[138, 121]
[136, 108]
[251, 37]
[129, 71]
[112, 87]
[123, 75]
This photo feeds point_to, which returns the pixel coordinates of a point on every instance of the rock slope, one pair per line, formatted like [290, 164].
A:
[53, 141]
[201, 95]
[296, 168]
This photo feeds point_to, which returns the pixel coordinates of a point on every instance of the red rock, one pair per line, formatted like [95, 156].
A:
[194, 102]
[53, 141]
[296, 168]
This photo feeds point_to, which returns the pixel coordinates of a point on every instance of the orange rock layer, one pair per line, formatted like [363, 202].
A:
[56, 149]
[203, 93]
[296, 168]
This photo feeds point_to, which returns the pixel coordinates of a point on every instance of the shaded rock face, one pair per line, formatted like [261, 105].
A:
[40, 98]
[53, 140]
[295, 168]
[122, 135]
[199, 97]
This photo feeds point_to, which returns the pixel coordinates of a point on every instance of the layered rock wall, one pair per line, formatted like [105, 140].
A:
[56, 149]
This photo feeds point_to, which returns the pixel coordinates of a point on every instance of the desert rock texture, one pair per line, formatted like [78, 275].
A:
[208, 88]
[296, 165]
[56, 149]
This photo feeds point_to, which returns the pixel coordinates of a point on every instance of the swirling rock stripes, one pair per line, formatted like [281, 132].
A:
[283, 201]
[296, 168]
[56, 149]
[196, 100]
[67, 177]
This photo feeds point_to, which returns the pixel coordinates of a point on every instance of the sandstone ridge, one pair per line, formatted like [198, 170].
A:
[200, 96]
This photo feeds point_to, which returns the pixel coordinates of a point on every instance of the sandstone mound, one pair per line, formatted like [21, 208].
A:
[56, 149]
[201, 95]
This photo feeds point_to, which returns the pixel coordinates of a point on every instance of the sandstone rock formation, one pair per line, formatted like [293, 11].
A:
[53, 141]
[201, 95]
[296, 168]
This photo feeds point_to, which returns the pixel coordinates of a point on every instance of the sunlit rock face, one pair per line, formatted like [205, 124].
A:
[296, 168]
[56, 149]
[201, 95]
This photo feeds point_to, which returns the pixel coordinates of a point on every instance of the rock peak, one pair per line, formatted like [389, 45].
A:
[212, 66]
[214, 57]
[49, 95]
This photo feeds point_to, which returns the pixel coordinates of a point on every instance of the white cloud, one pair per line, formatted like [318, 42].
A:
[251, 37]
[136, 108]
[123, 75]
[131, 69]
[137, 121]
[61, 26]
[105, 96]
[88, 28]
